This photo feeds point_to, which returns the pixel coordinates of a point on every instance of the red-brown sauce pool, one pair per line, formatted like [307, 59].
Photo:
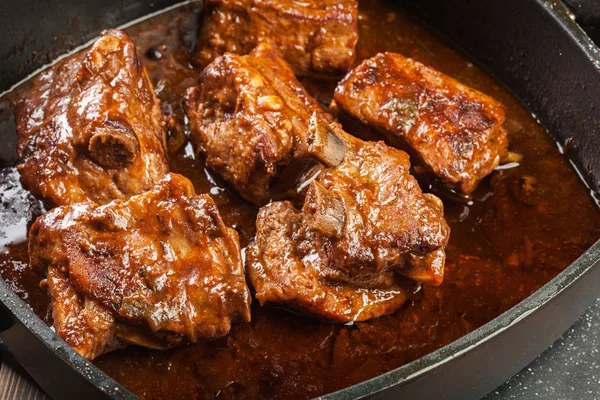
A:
[524, 226]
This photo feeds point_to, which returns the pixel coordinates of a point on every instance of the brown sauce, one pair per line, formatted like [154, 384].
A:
[524, 226]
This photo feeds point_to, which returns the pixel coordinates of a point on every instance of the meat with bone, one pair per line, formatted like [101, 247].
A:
[156, 270]
[91, 128]
[365, 231]
[313, 36]
[364, 235]
[454, 131]
[249, 117]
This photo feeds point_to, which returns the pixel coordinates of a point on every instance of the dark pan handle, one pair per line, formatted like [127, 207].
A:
[5, 319]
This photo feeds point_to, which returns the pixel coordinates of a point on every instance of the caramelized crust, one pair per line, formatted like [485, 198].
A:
[249, 117]
[91, 127]
[365, 231]
[313, 36]
[365, 234]
[453, 130]
[155, 270]
[83, 323]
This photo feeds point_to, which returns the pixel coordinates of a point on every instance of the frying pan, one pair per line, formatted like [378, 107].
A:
[532, 46]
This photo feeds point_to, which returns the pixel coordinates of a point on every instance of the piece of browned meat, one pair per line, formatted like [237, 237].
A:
[249, 117]
[454, 131]
[365, 234]
[91, 127]
[156, 270]
[313, 36]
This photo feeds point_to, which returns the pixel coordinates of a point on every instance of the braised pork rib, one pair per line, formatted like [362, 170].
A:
[248, 117]
[364, 235]
[454, 131]
[91, 128]
[313, 36]
[156, 270]
[357, 232]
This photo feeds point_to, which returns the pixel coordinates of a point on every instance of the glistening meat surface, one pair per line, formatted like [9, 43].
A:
[315, 36]
[365, 232]
[91, 128]
[156, 270]
[249, 117]
[364, 238]
[454, 131]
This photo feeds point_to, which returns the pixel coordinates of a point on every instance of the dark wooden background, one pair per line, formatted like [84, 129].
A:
[15, 383]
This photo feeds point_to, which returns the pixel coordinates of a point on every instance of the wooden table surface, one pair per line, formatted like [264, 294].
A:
[15, 383]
